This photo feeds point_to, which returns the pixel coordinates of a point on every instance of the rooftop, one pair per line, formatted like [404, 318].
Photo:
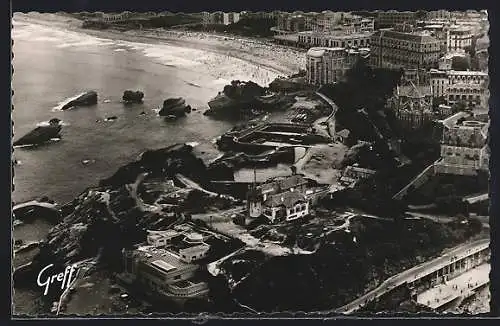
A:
[467, 73]
[162, 259]
[336, 33]
[283, 183]
[416, 36]
[287, 199]
[413, 91]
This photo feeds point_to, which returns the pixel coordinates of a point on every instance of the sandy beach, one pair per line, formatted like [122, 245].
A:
[228, 57]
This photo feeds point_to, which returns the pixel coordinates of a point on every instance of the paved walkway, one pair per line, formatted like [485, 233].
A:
[412, 274]
[460, 286]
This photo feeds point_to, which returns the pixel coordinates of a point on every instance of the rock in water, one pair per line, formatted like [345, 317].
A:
[174, 106]
[41, 134]
[87, 99]
[130, 97]
[54, 121]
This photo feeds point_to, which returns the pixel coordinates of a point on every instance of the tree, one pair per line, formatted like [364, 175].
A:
[438, 101]
[461, 63]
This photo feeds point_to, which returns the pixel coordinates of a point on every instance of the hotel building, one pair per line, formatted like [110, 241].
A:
[329, 65]
[403, 47]
[340, 38]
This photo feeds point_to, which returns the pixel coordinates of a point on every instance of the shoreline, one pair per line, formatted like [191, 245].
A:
[275, 58]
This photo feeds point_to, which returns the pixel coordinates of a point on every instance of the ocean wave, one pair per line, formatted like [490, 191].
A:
[47, 123]
[27, 146]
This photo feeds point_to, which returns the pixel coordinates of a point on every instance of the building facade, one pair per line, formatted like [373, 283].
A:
[458, 38]
[280, 199]
[353, 174]
[438, 14]
[341, 39]
[404, 48]
[329, 65]
[167, 264]
[469, 87]
[286, 206]
[220, 18]
[463, 149]
[393, 17]
[330, 21]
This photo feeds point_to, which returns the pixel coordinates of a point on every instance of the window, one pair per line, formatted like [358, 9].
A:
[177, 277]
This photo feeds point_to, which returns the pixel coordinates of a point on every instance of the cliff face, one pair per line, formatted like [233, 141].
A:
[104, 219]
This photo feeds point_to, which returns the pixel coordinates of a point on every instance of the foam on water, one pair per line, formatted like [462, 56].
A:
[47, 123]
[223, 68]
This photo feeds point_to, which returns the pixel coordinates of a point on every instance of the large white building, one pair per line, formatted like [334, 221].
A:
[329, 65]
[455, 86]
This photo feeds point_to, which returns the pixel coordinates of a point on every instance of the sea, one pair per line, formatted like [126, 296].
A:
[52, 65]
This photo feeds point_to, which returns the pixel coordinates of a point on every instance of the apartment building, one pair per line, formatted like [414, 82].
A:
[393, 18]
[458, 38]
[460, 86]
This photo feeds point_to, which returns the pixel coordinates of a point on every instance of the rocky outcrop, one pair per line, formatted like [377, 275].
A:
[112, 208]
[246, 99]
[87, 99]
[130, 97]
[175, 107]
[41, 134]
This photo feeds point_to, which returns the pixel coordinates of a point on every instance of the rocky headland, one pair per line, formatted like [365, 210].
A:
[246, 99]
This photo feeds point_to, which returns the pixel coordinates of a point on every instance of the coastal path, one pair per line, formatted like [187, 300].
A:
[446, 219]
[412, 274]
[191, 184]
[330, 120]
